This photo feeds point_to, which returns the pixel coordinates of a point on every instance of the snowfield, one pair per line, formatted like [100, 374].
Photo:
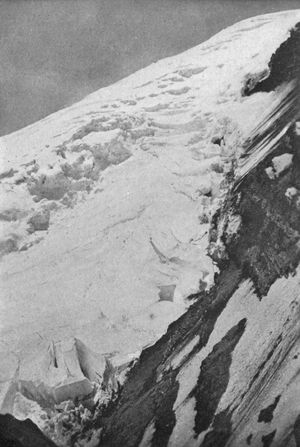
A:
[105, 209]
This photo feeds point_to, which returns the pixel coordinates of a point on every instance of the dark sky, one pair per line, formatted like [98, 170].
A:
[54, 52]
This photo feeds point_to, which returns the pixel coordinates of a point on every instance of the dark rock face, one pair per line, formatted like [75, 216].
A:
[15, 433]
[221, 430]
[209, 388]
[270, 225]
[266, 415]
[296, 431]
[268, 439]
[284, 66]
[265, 249]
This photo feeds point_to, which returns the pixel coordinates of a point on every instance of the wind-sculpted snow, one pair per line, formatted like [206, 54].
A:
[107, 211]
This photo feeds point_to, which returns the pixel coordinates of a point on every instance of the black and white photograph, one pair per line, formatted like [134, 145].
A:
[149, 223]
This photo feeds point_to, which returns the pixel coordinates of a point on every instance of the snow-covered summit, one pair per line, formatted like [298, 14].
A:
[105, 205]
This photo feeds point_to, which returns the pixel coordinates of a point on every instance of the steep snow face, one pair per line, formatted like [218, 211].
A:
[105, 206]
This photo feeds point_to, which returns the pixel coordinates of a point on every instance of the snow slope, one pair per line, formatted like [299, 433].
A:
[105, 207]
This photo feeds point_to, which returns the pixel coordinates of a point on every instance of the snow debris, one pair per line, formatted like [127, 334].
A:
[9, 243]
[39, 221]
[291, 192]
[234, 222]
[270, 173]
[66, 419]
[24, 408]
[281, 163]
[188, 72]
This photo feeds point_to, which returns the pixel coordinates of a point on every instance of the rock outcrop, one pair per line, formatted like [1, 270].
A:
[14, 433]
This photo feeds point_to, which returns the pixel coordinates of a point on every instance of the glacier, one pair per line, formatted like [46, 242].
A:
[107, 209]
